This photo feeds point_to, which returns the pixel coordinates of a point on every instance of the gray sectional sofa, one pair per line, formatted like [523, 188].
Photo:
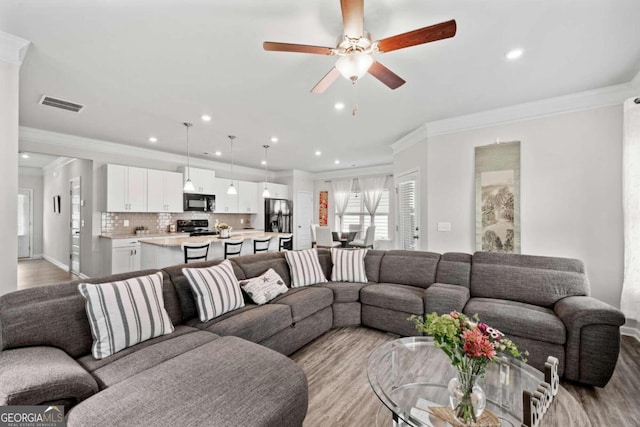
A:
[231, 370]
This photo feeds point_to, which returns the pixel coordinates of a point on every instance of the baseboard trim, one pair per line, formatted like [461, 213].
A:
[83, 276]
[56, 262]
[629, 331]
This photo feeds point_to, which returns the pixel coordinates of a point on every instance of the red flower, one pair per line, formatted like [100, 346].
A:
[476, 344]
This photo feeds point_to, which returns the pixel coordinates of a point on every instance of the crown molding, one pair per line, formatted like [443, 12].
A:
[77, 146]
[355, 172]
[12, 48]
[56, 164]
[596, 98]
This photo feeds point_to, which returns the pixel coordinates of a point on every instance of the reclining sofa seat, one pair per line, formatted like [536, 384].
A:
[46, 341]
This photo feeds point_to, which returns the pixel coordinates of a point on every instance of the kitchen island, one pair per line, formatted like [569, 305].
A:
[163, 252]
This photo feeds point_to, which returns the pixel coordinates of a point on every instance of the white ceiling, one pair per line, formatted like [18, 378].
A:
[142, 67]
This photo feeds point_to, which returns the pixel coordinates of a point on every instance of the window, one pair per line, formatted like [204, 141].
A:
[357, 214]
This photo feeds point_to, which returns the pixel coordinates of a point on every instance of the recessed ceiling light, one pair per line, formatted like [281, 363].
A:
[318, 153]
[337, 162]
[206, 118]
[274, 139]
[25, 155]
[218, 153]
[153, 139]
[264, 162]
[339, 105]
[514, 54]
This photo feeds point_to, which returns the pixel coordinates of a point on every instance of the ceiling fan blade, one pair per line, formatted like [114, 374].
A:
[444, 30]
[298, 48]
[326, 81]
[385, 75]
[353, 17]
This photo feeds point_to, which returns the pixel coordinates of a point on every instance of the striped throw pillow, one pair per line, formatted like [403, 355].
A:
[216, 289]
[348, 265]
[305, 268]
[125, 313]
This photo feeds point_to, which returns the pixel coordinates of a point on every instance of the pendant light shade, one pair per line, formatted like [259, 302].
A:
[188, 184]
[265, 192]
[232, 189]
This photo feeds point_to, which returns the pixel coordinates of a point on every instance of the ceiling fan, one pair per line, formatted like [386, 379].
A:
[356, 50]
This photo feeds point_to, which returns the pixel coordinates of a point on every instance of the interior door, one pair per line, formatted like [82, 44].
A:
[303, 215]
[24, 222]
[408, 212]
[75, 225]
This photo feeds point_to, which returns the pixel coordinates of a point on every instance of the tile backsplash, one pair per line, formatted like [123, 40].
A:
[113, 222]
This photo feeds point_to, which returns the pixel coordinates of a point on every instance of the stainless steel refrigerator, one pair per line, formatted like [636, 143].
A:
[278, 215]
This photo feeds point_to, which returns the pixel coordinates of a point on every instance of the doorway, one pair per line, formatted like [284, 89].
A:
[304, 218]
[75, 225]
[25, 222]
[408, 211]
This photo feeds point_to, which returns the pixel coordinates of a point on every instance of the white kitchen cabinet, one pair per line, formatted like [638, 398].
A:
[164, 191]
[203, 180]
[126, 189]
[276, 191]
[247, 197]
[225, 203]
[124, 255]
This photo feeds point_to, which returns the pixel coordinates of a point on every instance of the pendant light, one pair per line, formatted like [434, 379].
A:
[188, 185]
[265, 192]
[232, 189]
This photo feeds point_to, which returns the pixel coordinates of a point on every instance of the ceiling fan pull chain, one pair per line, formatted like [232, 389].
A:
[355, 99]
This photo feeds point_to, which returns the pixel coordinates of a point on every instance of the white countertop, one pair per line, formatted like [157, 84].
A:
[179, 240]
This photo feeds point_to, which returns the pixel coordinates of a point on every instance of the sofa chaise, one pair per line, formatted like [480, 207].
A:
[231, 370]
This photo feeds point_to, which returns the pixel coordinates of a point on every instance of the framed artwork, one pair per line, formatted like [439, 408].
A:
[497, 175]
[323, 213]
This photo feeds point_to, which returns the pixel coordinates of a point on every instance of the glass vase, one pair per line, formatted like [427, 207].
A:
[466, 397]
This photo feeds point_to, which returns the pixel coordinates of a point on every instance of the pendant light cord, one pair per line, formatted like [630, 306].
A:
[188, 125]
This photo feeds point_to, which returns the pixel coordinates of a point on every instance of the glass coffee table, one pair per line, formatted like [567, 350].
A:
[410, 375]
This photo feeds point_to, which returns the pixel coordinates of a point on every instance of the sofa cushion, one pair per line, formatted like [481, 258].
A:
[183, 289]
[265, 287]
[345, 291]
[256, 265]
[443, 298]
[216, 288]
[348, 265]
[226, 382]
[454, 268]
[530, 279]
[125, 313]
[519, 319]
[305, 301]
[148, 357]
[305, 268]
[372, 264]
[252, 322]
[395, 297]
[409, 268]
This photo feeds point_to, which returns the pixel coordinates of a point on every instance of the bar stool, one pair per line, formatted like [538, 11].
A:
[261, 244]
[195, 251]
[285, 242]
[232, 247]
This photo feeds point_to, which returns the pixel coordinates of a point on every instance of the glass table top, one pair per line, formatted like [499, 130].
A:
[410, 374]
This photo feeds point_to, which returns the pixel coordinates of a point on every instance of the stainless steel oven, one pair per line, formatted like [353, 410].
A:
[199, 202]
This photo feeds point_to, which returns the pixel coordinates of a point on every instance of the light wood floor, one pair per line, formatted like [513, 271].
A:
[40, 272]
[340, 394]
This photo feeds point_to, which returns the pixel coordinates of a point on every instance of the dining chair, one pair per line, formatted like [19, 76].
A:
[261, 244]
[357, 228]
[368, 240]
[324, 239]
[195, 251]
[232, 247]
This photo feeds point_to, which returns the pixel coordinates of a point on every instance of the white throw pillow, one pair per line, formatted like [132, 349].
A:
[305, 268]
[216, 289]
[348, 265]
[264, 288]
[125, 313]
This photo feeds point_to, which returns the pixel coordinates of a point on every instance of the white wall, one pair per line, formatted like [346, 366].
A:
[571, 190]
[32, 178]
[9, 182]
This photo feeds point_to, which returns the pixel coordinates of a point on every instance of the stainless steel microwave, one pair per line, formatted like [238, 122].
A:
[199, 202]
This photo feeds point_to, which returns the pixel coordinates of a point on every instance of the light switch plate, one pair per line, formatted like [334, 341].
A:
[125, 223]
[444, 226]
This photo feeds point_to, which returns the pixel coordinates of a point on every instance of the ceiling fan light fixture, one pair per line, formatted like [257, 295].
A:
[354, 65]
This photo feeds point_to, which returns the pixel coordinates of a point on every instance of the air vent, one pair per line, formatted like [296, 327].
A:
[61, 103]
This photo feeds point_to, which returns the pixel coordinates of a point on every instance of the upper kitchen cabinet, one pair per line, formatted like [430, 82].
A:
[126, 189]
[276, 191]
[203, 180]
[225, 203]
[247, 197]
[164, 191]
